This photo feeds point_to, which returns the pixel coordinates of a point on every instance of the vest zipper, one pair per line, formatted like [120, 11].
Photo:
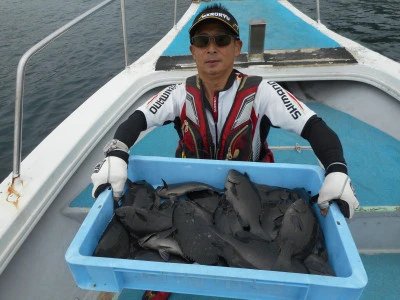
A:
[229, 155]
[216, 144]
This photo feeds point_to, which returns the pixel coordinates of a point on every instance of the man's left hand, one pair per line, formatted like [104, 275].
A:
[337, 187]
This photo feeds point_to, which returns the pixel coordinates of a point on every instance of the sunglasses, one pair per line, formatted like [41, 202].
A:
[203, 41]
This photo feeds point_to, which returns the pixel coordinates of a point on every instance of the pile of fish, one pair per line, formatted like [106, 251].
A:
[245, 225]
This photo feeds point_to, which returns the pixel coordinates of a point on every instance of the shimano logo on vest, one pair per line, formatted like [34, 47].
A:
[292, 109]
[218, 15]
[158, 102]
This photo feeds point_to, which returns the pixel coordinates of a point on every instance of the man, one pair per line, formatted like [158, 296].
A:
[223, 114]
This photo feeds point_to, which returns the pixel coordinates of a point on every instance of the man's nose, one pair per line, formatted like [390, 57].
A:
[212, 45]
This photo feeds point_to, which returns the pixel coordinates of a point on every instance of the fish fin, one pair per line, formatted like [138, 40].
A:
[145, 239]
[141, 214]
[164, 254]
[165, 184]
[166, 233]
[243, 223]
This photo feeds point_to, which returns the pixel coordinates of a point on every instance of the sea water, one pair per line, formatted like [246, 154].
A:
[62, 76]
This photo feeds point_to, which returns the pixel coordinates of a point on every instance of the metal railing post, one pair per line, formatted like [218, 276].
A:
[123, 17]
[318, 15]
[175, 12]
[21, 76]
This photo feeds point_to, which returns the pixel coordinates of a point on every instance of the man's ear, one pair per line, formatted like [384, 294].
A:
[192, 51]
[238, 47]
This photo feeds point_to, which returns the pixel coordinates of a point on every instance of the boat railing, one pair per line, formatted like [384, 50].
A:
[35, 49]
[318, 14]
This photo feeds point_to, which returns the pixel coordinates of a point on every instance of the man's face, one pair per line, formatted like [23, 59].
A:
[214, 60]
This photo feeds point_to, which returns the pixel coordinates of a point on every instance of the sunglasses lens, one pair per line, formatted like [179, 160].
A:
[200, 41]
[203, 41]
[222, 40]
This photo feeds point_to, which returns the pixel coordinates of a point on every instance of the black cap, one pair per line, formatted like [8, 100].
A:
[218, 13]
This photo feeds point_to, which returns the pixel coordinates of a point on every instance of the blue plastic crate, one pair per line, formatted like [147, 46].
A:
[113, 275]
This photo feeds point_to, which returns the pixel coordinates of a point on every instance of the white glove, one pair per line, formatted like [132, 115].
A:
[337, 187]
[111, 171]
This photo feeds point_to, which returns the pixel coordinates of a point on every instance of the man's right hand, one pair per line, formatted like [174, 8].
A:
[112, 170]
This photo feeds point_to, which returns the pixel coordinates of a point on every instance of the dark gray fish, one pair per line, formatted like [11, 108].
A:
[247, 251]
[181, 189]
[115, 241]
[163, 242]
[151, 255]
[298, 234]
[206, 199]
[244, 197]
[274, 196]
[226, 219]
[140, 194]
[275, 202]
[271, 220]
[194, 233]
[320, 246]
[297, 266]
[301, 193]
[263, 188]
[140, 222]
[318, 265]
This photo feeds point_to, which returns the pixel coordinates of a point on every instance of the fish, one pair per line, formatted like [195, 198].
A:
[298, 234]
[274, 203]
[181, 189]
[152, 255]
[274, 195]
[263, 188]
[298, 193]
[194, 233]
[226, 219]
[140, 221]
[271, 221]
[317, 265]
[247, 251]
[244, 197]
[140, 194]
[206, 199]
[115, 241]
[163, 242]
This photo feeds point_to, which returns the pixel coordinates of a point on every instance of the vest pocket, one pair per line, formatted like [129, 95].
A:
[239, 145]
[190, 139]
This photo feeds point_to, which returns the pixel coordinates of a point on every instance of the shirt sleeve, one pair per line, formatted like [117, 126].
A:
[282, 108]
[165, 106]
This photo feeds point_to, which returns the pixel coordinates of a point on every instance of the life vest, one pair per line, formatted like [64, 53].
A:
[235, 140]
